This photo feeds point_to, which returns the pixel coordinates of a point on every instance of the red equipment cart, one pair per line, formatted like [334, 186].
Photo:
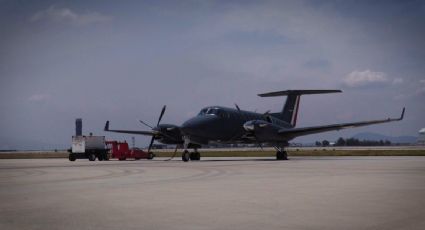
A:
[121, 151]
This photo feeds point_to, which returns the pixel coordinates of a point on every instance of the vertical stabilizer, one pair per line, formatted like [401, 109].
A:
[289, 113]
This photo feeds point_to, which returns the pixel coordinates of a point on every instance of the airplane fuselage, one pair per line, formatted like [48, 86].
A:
[222, 124]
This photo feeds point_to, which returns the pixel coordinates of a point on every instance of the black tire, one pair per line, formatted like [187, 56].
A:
[281, 155]
[72, 157]
[195, 156]
[100, 157]
[151, 155]
[185, 156]
[92, 157]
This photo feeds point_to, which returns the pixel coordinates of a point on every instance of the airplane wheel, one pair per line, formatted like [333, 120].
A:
[186, 156]
[192, 156]
[197, 156]
[281, 155]
[100, 158]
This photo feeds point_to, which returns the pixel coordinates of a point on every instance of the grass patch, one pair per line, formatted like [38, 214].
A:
[34, 155]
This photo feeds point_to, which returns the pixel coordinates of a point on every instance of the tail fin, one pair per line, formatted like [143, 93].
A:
[290, 109]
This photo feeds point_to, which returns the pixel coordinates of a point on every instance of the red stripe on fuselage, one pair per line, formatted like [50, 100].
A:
[295, 115]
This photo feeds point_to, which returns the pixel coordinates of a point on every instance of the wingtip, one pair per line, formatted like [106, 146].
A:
[106, 126]
[402, 113]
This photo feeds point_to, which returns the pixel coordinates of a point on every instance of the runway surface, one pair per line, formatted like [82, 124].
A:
[215, 193]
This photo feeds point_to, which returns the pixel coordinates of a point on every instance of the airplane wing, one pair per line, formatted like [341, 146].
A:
[296, 132]
[147, 133]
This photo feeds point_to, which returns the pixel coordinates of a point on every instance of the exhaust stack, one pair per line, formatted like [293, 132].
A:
[78, 127]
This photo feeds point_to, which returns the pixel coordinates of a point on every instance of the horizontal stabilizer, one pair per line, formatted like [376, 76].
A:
[297, 92]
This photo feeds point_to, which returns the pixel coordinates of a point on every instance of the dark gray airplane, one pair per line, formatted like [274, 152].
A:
[232, 125]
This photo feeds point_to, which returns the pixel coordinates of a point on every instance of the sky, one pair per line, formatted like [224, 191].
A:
[123, 60]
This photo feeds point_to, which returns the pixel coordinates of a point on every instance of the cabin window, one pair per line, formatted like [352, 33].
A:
[223, 114]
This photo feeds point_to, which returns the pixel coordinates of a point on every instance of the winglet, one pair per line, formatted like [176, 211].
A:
[402, 114]
[106, 126]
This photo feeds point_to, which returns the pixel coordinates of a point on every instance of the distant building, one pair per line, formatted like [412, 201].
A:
[421, 138]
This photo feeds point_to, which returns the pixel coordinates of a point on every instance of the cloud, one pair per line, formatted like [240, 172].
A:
[397, 81]
[67, 15]
[421, 89]
[39, 97]
[366, 78]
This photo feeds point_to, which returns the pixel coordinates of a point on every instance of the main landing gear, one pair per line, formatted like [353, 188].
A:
[281, 154]
[193, 156]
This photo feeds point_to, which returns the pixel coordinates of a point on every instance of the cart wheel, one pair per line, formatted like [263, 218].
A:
[92, 157]
[72, 157]
[151, 156]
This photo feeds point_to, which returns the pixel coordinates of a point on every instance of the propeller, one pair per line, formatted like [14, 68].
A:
[145, 124]
[159, 120]
[237, 107]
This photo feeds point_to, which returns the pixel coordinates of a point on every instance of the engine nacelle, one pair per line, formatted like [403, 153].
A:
[262, 130]
[168, 134]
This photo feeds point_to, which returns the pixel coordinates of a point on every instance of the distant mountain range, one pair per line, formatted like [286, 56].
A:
[377, 137]
[24, 144]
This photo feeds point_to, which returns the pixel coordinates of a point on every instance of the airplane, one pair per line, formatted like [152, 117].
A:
[218, 124]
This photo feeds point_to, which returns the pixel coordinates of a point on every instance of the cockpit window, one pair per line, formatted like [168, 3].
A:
[203, 112]
[213, 111]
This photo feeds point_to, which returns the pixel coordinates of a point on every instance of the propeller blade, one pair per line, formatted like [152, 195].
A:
[162, 114]
[150, 145]
[145, 124]
[237, 107]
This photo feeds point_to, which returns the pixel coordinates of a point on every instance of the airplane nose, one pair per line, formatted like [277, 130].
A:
[195, 126]
[191, 126]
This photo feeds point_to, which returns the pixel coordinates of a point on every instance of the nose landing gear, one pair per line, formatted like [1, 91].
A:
[193, 156]
[185, 156]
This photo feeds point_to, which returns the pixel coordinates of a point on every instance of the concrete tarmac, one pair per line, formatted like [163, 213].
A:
[215, 193]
